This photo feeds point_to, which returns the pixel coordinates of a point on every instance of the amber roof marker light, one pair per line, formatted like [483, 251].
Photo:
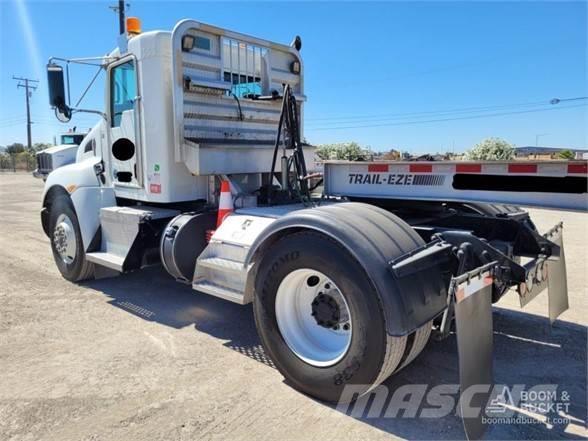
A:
[133, 26]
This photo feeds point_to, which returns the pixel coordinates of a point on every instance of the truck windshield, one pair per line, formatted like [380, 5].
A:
[71, 139]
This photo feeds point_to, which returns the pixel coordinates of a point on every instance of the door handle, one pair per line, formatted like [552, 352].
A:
[99, 171]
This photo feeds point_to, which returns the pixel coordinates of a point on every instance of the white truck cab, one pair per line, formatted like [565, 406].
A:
[183, 105]
[62, 153]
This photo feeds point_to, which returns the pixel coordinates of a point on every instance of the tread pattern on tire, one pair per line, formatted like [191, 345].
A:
[395, 347]
[421, 338]
[87, 271]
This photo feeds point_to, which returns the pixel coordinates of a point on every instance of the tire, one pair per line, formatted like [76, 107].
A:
[371, 355]
[72, 263]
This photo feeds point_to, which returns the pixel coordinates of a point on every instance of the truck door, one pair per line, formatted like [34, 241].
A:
[125, 149]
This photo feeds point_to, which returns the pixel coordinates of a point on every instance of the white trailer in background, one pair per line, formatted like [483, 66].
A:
[346, 288]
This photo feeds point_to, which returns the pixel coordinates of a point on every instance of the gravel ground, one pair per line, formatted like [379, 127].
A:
[141, 357]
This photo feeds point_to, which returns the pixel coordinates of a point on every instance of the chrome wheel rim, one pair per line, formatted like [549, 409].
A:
[64, 239]
[313, 317]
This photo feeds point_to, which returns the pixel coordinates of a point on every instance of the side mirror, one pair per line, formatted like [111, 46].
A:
[57, 92]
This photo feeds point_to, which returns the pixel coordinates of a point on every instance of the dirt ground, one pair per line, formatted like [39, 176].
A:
[141, 357]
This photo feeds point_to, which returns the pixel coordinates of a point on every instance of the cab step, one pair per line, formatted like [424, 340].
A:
[221, 264]
[213, 289]
[109, 260]
[121, 247]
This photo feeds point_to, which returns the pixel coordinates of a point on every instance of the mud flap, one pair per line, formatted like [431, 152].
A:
[473, 320]
[557, 289]
[548, 273]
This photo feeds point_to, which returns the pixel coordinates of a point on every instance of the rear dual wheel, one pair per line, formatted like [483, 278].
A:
[320, 319]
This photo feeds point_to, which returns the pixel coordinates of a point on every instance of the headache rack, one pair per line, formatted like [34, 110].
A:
[227, 98]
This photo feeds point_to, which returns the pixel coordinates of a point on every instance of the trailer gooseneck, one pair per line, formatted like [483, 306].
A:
[347, 287]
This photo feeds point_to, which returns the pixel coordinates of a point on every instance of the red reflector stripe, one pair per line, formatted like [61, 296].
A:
[377, 167]
[468, 168]
[522, 168]
[578, 168]
[421, 168]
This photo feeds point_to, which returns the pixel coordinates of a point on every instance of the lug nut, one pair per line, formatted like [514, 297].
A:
[346, 327]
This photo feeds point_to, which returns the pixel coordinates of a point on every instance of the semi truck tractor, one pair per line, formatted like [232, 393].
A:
[60, 154]
[348, 279]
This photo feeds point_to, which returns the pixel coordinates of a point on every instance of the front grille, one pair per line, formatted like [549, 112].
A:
[44, 162]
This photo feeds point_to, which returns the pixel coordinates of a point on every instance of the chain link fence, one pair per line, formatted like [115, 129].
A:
[23, 161]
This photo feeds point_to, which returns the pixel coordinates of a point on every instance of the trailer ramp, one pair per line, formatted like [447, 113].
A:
[545, 184]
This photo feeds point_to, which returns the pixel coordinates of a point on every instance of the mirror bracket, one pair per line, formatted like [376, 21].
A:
[57, 94]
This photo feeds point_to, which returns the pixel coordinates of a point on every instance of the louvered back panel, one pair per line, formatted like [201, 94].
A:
[224, 127]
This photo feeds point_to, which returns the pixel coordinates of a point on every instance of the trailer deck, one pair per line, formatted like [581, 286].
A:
[546, 184]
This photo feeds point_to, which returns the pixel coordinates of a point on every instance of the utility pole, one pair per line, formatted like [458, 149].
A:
[121, 15]
[28, 85]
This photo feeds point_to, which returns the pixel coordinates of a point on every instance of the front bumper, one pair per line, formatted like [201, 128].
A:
[40, 174]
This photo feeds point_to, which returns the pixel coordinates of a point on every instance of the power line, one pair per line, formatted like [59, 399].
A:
[12, 118]
[561, 100]
[430, 112]
[408, 115]
[446, 119]
[11, 124]
[16, 120]
[495, 59]
[27, 84]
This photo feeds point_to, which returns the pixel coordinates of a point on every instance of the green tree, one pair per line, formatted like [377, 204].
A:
[15, 148]
[566, 154]
[18, 157]
[349, 151]
[5, 162]
[26, 160]
[491, 149]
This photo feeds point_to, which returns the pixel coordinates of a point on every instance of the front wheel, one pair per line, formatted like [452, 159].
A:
[66, 242]
[320, 319]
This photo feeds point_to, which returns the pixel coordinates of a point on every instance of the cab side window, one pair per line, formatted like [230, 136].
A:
[90, 146]
[123, 90]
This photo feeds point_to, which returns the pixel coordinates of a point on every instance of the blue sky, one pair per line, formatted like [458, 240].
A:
[419, 76]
